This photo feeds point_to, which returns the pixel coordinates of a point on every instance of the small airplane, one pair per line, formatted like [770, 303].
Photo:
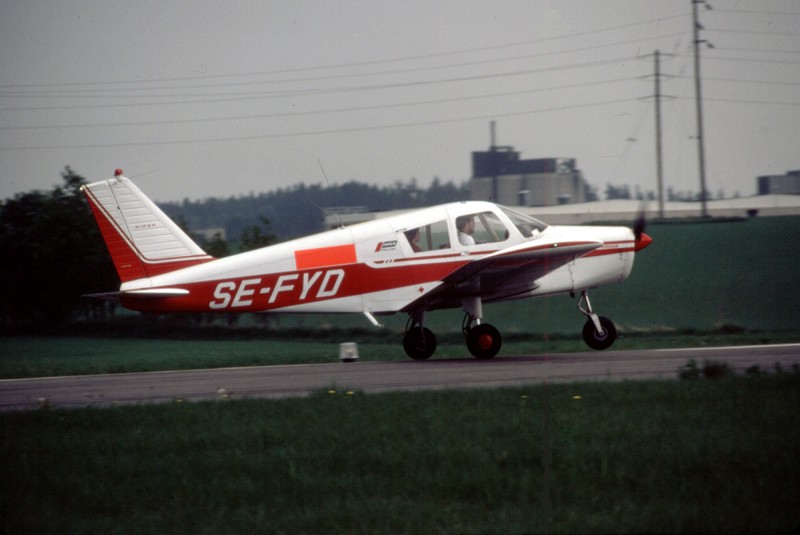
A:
[461, 254]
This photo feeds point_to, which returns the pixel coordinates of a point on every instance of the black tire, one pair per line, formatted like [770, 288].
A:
[484, 341]
[594, 340]
[419, 344]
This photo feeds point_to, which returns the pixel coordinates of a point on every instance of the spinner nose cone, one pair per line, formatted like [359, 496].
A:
[643, 241]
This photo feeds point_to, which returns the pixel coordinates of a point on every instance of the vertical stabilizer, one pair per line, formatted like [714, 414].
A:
[142, 240]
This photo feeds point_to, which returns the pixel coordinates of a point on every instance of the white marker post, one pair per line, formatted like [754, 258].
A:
[348, 352]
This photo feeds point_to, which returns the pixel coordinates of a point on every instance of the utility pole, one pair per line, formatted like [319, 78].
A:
[493, 148]
[659, 158]
[701, 156]
[658, 96]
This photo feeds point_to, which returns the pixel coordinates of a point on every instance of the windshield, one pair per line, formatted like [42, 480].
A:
[527, 225]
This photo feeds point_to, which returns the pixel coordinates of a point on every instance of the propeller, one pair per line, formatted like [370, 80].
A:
[639, 225]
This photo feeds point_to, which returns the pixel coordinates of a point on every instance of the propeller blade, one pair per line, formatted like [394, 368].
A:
[640, 224]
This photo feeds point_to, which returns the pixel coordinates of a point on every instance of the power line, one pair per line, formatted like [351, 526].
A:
[323, 132]
[755, 60]
[757, 12]
[746, 101]
[760, 50]
[755, 32]
[738, 80]
[658, 20]
[323, 91]
[14, 91]
[593, 83]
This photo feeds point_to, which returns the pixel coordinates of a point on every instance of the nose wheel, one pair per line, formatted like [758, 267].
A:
[596, 339]
[599, 332]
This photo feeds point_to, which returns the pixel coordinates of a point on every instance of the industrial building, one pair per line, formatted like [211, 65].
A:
[780, 184]
[500, 175]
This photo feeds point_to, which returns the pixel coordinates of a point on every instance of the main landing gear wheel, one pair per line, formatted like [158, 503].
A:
[596, 340]
[483, 341]
[419, 343]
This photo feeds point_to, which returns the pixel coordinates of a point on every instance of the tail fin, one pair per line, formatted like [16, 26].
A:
[142, 240]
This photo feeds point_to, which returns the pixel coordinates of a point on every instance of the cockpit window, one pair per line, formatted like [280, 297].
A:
[484, 227]
[430, 237]
[527, 225]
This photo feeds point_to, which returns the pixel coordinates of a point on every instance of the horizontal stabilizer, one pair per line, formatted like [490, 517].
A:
[157, 292]
[143, 293]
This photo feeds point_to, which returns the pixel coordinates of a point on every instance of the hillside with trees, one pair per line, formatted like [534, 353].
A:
[298, 210]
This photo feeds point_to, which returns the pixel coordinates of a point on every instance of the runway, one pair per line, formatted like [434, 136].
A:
[375, 377]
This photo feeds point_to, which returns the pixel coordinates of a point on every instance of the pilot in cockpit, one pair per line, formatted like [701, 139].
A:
[466, 227]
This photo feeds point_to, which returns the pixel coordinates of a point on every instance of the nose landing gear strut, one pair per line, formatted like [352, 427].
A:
[599, 332]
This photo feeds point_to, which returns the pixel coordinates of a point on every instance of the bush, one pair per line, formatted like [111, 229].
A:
[689, 370]
[716, 370]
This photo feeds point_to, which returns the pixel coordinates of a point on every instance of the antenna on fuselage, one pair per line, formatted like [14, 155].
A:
[325, 176]
[144, 173]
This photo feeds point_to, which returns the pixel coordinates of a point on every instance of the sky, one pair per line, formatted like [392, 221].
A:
[198, 99]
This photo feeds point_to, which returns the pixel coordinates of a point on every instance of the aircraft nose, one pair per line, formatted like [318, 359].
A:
[643, 241]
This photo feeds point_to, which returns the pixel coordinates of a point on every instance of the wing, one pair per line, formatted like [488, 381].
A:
[504, 274]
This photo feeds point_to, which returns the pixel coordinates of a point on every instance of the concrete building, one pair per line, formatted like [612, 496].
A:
[780, 184]
[500, 175]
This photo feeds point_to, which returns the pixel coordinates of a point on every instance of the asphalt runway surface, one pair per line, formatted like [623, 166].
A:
[375, 377]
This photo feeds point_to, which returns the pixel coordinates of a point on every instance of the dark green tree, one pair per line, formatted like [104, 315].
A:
[618, 192]
[253, 237]
[217, 246]
[51, 253]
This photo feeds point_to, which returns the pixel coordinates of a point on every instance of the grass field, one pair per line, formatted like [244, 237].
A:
[678, 456]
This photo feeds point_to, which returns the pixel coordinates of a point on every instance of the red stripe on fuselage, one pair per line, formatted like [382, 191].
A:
[613, 247]
[271, 291]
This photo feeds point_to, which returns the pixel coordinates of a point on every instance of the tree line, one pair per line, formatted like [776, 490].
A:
[299, 210]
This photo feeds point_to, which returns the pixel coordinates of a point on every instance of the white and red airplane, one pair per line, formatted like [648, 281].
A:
[461, 254]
